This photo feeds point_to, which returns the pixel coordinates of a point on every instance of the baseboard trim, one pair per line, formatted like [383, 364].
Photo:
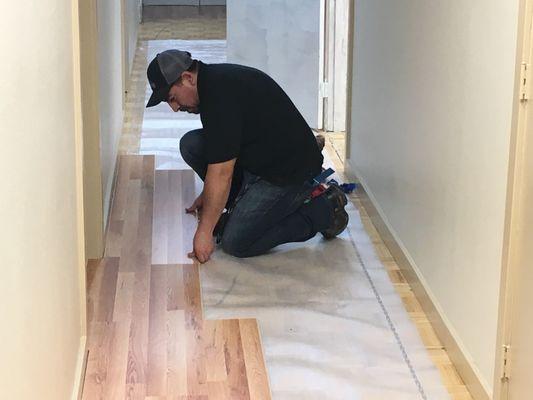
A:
[458, 357]
[81, 367]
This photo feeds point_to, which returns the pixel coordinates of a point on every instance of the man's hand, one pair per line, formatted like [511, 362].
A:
[197, 205]
[203, 246]
[214, 196]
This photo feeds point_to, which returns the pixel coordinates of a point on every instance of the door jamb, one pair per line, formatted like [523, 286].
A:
[509, 275]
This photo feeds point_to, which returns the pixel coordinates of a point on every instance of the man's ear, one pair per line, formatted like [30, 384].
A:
[189, 77]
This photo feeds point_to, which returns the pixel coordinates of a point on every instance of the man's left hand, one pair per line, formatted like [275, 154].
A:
[203, 246]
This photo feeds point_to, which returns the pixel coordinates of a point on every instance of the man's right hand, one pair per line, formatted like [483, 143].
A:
[196, 207]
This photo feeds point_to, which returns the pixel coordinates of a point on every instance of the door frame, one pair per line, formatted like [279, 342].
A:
[511, 273]
[334, 51]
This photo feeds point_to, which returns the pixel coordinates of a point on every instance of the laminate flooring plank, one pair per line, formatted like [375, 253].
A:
[193, 302]
[124, 296]
[234, 354]
[254, 360]
[99, 344]
[160, 223]
[108, 286]
[115, 231]
[176, 354]
[196, 363]
[175, 216]
[156, 383]
[214, 343]
[118, 209]
[129, 248]
[218, 390]
[115, 384]
[140, 263]
[93, 284]
[190, 221]
[136, 166]
[135, 391]
[146, 209]
[173, 229]
[175, 288]
[138, 339]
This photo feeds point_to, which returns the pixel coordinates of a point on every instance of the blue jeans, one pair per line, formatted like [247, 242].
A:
[263, 215]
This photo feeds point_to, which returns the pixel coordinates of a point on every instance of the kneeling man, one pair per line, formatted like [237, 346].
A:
[255, 153]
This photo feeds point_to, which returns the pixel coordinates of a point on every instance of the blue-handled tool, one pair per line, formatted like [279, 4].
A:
[321, 178]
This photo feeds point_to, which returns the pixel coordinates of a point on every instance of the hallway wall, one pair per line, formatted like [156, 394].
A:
[132, 18]
[40, 308]
[111, 86]
[114, 71]
[281, 38]
[431, 121]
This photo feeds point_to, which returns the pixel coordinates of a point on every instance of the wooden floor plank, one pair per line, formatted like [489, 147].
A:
[114, 232]
[147, 336]
[234, 355]
[173, 229]
[156, 384]
[99, 343]
[254, 361]
[176, 354]
[175, 288]
[214, 351]
[196, 363]
[108, 287]
[124, 296]
[115, 384]
[93, 282]
[193, 302]
[160, 219]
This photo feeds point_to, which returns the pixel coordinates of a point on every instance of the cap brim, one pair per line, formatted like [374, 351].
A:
[157, 97]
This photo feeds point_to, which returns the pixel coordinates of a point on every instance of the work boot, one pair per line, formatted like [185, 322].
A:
[219, 227]
[320, 141]
[338, 200]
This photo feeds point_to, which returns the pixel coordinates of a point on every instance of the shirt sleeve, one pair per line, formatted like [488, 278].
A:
[223, 130]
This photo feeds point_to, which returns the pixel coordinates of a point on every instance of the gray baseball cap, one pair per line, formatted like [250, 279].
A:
[164, 70]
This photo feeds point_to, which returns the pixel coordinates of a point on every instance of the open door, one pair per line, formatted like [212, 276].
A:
[515, 376]
[280, 38]
[334, 56]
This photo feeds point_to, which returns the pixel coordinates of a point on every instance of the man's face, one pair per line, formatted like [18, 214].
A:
[183, 95]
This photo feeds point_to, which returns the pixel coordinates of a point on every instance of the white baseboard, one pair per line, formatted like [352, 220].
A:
[81, 365]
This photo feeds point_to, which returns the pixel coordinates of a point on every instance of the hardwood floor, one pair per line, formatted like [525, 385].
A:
[147, 336]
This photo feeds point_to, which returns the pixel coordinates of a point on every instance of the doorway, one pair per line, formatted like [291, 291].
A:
[335, 20]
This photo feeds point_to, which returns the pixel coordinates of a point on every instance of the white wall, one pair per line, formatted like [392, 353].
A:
[281, 38]
[132, 18]
[431, 118]
[111, 70]
[39, 282]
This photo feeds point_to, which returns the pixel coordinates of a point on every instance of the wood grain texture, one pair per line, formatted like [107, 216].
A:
[173, 229]
[147, 335]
